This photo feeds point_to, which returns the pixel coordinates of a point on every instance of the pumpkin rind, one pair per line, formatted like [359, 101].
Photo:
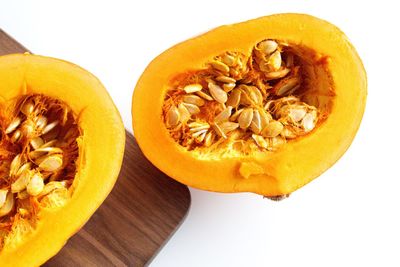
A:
[101, 148]
[284, 171]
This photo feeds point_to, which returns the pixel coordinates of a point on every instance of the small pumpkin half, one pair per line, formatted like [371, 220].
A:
[261, 106]
[61, 148]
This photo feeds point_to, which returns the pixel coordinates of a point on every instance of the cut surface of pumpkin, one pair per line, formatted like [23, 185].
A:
[246, 104]
[39, 153]
[261, 106]
[58, 128]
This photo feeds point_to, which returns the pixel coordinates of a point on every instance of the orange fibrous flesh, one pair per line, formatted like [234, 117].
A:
[241, 104]
[38, 161]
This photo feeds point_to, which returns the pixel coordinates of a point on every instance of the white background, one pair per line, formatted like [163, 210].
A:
[347, 217]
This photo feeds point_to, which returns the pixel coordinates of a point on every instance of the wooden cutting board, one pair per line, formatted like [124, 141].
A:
[142, 212]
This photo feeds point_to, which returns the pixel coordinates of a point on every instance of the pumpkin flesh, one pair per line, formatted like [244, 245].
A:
[97, 121]
[39, 141]
[255, 104]
[328, 60]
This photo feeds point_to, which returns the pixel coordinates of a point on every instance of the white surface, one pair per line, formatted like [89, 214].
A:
[347, 217]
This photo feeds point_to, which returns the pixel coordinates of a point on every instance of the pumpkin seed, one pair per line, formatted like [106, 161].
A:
[228, 60]
[288, 87]
[191, 88]
[184, 113]
[193, 109]
[16, 136]
[21, 183]
[217, 93]
[49, 144]
[228, 87]
[234, 98]
[27, 108]
[277, 74]
[218, 65]
[234, 73]
[256, 122]
[49, 127]
[199, 128]
[255, 95]
[208, 139]
[245, 98]
[201, 137]
[245, 118]
[36, 142]
[200, 132]
[41, 122]
[8, 205]
[219, 131]
[224, 115]
[196, 124]
[236, 115]
[193, 99]
[49, 150]
[204, 95]
[228, 126]
[50, 163]
[297, 113]
[275, 61]
[264, 66]
[260, 141]
[15, 164]
[13, 125]
[308, 122]
[51, 186]
[274, 128]
[36, 154]
[3, 196]
[35, 185]
[24, 168]
[265, 118]
[267, 46]
[225, 79]
[288, 133]
[268, 105]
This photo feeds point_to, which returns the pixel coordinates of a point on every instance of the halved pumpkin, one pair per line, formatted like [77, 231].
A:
[261, 106]
[62, 143]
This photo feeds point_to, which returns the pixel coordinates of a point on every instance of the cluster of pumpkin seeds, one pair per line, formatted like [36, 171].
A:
[248, 102]
[38, 150]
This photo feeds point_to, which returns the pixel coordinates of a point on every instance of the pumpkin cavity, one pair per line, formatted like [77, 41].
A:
[38, 155]
[240, 104]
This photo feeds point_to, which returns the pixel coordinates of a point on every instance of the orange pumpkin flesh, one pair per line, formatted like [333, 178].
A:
[57, 89]
[328, 61]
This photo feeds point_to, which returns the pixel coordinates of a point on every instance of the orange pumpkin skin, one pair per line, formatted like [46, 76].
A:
[101, 148]
[269, 174]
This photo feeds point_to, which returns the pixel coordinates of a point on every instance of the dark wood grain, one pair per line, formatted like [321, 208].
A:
[8, 45]
[143, 210]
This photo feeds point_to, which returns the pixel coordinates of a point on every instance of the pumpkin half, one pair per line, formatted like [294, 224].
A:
[261, 106]
[61, 148]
